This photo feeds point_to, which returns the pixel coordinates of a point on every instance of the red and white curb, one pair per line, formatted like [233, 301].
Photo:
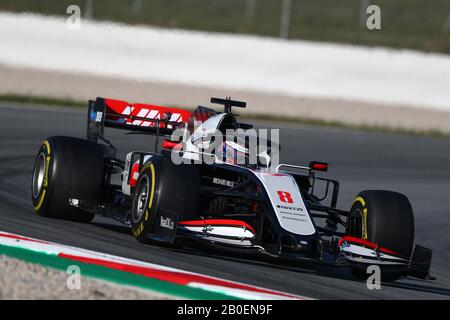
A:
[173, 275]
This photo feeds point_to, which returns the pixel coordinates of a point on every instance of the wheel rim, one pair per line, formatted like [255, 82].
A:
[141, 199]
[39, 175]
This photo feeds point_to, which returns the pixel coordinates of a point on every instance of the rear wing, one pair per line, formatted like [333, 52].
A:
[137, 117]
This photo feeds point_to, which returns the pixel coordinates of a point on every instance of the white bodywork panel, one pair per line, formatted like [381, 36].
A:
[356, 253]
[229, 231]
[291, 213]
[237, 235]
[126, 187]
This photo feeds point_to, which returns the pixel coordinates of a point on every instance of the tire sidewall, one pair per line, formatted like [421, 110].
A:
[151, 171]
[75, 169]
[176, 189]
[375, 208]
[387, 220]
[40, 201]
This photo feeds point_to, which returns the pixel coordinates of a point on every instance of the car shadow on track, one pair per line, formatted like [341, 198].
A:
[120, 228]
[418, 287]
[341, 273]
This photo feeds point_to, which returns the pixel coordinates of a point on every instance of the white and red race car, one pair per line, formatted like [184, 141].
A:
[244, 208]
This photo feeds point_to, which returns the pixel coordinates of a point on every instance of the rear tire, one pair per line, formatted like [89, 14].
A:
[385, 218]
[67, 168]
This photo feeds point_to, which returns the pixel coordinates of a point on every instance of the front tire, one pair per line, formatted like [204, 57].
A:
[385, 218]
[67, 168]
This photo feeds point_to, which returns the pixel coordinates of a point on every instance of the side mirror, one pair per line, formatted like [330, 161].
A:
[264, 158]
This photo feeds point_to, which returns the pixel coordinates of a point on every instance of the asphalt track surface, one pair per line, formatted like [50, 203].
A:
[417, 166]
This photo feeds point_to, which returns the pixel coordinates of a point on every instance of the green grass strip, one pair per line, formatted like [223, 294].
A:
[47, 101]
[112, 275]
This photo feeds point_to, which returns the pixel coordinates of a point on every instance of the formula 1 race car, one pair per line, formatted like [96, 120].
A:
[254, 208]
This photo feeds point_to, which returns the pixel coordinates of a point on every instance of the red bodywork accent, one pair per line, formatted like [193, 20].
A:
[117, 110]
[218, 222]
[319, 166]
[365, 243]
[166, 145]
[171, 145]
[134, 169]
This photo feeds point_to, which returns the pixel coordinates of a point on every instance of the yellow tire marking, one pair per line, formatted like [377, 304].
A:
[40, 201]
[140, 228]
[47, 164]
[359, 199]
[146, 166]
[364, 224]
[152, 168]
[47, 145]
[364, 217]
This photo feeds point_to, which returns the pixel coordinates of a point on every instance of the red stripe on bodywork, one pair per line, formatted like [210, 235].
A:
[134, 169]
[116, 109]
[369, 244]
[172, 145]
[217, 222]
[320, 166]
[170, 276]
